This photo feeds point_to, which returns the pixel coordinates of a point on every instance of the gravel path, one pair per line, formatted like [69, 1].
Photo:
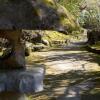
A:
[70, 72]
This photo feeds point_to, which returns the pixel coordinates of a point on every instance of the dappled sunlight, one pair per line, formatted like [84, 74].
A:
[64, 61]
[49, 52]
[71, 86]
[70, 72]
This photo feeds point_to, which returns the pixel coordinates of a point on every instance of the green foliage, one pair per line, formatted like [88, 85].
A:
[71, 5]
[90, 19]
[54, 35]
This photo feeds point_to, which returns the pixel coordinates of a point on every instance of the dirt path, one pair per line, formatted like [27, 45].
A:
[72, 73]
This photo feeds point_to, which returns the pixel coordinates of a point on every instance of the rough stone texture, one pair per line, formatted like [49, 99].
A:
[32, 36]
[16, 15]
[28, 14]
[16, 58]
[22, 81]
[35, 14]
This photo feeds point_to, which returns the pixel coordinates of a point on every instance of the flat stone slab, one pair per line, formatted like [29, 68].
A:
[22, 81]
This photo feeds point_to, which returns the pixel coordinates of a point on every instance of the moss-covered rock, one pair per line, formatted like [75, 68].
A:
[67, 19]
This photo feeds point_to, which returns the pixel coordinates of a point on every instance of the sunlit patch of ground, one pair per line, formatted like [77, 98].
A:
[72, 73]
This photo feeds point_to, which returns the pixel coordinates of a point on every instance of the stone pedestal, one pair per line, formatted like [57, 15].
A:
[22, 81]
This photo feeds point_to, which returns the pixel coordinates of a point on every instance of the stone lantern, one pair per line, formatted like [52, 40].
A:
[16, 15]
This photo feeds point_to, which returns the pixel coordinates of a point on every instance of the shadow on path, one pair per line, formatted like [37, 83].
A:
[74, 84]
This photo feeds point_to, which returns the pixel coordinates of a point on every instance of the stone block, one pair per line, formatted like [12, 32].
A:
[22, 81]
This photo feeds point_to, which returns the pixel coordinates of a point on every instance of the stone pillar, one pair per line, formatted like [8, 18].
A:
[17, 57]
[23, 80]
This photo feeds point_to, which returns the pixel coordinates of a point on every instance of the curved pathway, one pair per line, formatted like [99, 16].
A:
[71, 73]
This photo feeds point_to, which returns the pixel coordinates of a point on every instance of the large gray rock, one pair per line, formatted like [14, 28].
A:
[22, 81]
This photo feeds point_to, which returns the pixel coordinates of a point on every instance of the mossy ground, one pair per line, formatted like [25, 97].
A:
[54, 36]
